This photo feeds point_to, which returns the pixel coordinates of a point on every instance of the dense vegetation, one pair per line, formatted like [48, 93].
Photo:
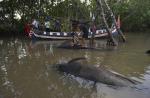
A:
[135, 14]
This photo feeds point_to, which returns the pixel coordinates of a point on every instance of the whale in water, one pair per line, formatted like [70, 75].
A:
[100, 74]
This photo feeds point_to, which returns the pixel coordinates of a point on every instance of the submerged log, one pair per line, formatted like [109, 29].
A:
[78, 68]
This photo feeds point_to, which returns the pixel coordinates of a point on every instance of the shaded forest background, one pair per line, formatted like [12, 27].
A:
[135, 14]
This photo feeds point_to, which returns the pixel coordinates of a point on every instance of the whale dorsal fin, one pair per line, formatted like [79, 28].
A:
[77, 59]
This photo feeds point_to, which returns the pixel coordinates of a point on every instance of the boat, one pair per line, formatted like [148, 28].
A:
[37, 34]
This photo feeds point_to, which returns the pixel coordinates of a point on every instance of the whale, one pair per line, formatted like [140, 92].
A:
[79, 68]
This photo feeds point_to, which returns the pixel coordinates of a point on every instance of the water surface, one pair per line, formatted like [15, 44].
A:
[27, 69]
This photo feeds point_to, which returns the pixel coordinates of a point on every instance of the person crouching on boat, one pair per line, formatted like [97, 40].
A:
[35, 24]
[75, 31]
[47, 24]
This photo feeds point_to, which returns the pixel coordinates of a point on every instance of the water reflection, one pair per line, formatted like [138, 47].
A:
[27, 69]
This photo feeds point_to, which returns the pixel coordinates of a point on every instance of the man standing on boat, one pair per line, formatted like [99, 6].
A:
[85, 32]
[35, 24]
[57, 25]
[27, 29]
[47, 24]
[93, 32]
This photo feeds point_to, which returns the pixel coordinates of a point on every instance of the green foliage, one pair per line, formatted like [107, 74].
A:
[134, 13]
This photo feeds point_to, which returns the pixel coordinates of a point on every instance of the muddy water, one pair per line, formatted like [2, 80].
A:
[27, 69]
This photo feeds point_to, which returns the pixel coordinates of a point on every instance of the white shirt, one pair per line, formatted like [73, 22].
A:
[35, 23]
[47, 24]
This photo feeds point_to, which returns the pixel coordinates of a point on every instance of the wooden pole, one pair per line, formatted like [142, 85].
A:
[111, 41]
[114, 19]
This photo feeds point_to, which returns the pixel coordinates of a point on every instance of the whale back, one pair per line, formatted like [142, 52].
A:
[78, 68]
[73, 66]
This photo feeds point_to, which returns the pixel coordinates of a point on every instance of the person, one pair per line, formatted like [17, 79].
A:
[27, 29]
[47, 25]
[57, 26]
[93, 30]
[75, 31]
[85, 32]
[35, 24]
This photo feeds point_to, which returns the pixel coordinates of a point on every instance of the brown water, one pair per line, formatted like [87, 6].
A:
[27, 69]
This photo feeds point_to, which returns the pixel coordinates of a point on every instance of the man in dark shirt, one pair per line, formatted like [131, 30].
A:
[85, 32]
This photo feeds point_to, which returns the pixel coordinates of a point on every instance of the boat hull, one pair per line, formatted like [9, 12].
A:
[36, 34]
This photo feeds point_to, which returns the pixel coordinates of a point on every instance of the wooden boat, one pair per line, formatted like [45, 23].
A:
[37, 34]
